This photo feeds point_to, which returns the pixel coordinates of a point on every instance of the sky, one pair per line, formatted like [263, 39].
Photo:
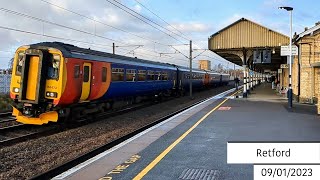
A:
[162, 33]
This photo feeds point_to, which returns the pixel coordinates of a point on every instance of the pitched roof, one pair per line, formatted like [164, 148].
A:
[244, 19]
[307, 32]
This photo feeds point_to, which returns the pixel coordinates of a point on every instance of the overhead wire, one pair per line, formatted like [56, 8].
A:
[56, 24]
[159, 17]
[104, 24]
[143, 20]
[148, 19]
[73, 40]
[100, 22]
[84, 16]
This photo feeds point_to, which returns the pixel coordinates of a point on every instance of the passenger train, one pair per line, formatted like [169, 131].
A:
[53, 80]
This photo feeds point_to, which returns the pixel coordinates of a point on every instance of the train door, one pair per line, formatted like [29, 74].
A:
[206, 80]
[32, 78]
[174, 78]
[86, 83]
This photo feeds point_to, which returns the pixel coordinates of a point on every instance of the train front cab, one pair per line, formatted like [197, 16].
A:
[36, 84]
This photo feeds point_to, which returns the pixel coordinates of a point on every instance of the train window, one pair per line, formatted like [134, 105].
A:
[141, 75]
[76, 71]
[104, 74]
[19, 63]
[150, 75]
[165, 76]
[117, 74]
[130, 75]
[53, 68]
[86, 74]
[157, 76]
[174, 76]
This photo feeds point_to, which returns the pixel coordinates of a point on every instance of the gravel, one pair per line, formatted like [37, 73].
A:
[27, 159]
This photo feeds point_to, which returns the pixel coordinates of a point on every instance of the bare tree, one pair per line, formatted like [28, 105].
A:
[10, 64]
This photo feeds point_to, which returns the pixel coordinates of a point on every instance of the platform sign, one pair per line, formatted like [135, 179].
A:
[257, 56]
[266, 56]
[262, 56]
[284, 66]
[279, 71]
[285, 50]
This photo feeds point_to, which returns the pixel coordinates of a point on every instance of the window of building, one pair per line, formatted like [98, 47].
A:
[117, 74]
[130, 75]
[104, 74]
[150, 75]
[86, 72]
[141, 75]
[76, 71]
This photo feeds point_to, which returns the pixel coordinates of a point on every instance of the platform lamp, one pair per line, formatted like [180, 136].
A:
[290, 9]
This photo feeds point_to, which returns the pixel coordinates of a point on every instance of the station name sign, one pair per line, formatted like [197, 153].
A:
[285, 50]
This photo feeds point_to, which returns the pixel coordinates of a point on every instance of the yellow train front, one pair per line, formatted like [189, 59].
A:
[37, 84]
[52, 81]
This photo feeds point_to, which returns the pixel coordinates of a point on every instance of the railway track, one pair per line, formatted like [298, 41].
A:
[12, 132]
[7, 121]
[64, 167]
[16, 133]
[5, 114]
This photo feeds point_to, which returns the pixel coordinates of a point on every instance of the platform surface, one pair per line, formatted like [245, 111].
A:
[263, 116]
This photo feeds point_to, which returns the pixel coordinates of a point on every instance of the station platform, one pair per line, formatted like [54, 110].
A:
[193, 144]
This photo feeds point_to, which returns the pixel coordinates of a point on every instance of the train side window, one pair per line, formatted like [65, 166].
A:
[141, 75]
[158, 76]
[19, 63]
[86, 74]
[130, 74]
[104, 74]
[53, 69]
[150, 75]
[165, 76]
[117, 74]
[76, 71]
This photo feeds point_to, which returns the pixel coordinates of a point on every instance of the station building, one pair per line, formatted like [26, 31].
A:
[306, 72]
[258, 50]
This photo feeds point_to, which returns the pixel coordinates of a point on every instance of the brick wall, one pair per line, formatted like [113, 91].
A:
[309, 74]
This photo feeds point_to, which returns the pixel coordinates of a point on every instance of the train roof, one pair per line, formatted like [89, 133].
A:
[71, 51]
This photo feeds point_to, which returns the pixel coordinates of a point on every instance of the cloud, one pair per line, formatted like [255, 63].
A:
[101, 11]
[190, 27]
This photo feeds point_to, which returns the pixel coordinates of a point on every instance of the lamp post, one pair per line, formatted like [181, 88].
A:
[290, 9]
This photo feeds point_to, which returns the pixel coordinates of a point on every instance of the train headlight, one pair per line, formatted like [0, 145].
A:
[52, 94]
[16, 90]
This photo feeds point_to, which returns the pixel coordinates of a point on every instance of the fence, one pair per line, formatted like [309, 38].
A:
[5, 83]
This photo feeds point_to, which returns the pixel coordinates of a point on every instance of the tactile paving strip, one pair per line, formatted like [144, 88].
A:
[199, 174]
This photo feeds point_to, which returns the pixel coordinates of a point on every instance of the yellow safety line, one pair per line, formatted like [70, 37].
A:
[166, 151]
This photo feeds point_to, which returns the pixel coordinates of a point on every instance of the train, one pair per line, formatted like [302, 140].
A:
[54, 81]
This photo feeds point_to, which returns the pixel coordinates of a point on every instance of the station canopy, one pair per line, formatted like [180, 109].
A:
[246, 40]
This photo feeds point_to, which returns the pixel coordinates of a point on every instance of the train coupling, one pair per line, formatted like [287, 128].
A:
[43, 118]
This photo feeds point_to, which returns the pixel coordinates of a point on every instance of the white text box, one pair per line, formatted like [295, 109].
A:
[273, 153]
